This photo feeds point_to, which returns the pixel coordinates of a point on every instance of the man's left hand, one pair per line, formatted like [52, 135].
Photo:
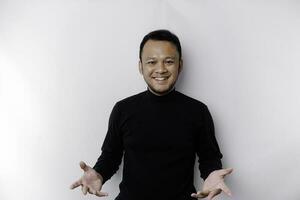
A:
[214, 184]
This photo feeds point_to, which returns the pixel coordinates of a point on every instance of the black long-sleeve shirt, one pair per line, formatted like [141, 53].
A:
[159, 137]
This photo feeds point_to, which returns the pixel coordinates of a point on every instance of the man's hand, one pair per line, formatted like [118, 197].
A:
[91, 181]
[214, 184]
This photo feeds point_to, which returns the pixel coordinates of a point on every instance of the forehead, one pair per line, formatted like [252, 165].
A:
[155, 48]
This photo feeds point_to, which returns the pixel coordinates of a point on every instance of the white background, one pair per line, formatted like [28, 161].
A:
[65, 63]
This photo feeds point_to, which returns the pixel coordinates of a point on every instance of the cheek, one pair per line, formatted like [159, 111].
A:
[174, 71]
[147, 72]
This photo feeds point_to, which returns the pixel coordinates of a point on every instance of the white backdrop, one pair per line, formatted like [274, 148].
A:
[65, 63]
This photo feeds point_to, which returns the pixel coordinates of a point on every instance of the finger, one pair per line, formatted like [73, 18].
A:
[195, 195]
[200, 194]
[213, 193]
[226, 190]
[224, 172]
[101, 194]
[91, 191]
[83, 166]
[84, 189]
[75, 184]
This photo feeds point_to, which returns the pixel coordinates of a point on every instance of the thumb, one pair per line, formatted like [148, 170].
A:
[83, 166]
[226, 190]
[226, 171]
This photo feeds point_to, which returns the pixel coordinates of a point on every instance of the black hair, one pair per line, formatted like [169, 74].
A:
[161, 35]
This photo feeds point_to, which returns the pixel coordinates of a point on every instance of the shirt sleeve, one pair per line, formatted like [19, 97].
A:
[207, 149]
[112, 147]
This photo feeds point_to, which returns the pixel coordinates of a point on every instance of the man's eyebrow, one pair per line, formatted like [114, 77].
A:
[150, 57]
[172, 57]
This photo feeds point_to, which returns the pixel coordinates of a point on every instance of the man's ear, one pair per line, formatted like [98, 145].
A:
[180, 66]
[140, 67]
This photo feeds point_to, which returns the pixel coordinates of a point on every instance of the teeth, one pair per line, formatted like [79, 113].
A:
[160, 79]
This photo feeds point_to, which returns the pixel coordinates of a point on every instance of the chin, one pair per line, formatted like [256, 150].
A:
[160, 90]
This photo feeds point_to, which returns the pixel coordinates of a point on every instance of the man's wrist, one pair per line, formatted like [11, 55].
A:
[99, 176]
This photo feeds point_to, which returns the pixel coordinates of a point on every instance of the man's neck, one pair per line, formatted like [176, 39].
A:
[157, 94]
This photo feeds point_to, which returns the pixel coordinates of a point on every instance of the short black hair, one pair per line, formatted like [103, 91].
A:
[161, 35]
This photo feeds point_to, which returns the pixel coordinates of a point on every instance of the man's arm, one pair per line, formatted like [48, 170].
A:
[207, 148]
[112, 147]
[108, 162]
[210, 164]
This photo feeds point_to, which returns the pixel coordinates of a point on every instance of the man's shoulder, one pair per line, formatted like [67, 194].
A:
[191, 100]
[130, 100]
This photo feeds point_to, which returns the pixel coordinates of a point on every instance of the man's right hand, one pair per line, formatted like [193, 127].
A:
[91, 181]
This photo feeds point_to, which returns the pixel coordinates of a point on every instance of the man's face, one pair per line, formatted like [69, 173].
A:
[160, 66]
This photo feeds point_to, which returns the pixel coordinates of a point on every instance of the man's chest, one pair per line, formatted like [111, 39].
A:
[161, 130]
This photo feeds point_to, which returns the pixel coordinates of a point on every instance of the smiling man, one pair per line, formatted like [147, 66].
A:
[160, 64]
[159, 132]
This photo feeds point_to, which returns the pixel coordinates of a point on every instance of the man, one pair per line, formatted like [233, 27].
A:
[159, 132]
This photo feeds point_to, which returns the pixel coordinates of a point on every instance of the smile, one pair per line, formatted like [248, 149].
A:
[160, 78]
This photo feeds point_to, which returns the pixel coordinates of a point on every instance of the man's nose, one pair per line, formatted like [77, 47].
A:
[161, 67]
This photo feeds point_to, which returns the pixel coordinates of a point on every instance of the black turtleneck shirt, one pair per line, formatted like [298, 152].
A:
[159, 137]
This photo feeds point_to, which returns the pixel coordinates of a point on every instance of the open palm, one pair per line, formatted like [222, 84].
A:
[91, 181]
[214, 184]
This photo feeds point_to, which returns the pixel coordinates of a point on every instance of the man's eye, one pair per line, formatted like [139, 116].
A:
[151, 62]
[170, 61]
